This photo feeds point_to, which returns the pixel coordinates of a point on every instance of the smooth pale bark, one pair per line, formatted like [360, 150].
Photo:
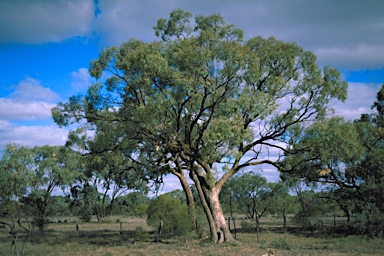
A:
[210, 193]
[218, 215]
[207, 210]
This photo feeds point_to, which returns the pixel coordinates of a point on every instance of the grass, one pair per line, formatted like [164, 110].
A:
[135, 238]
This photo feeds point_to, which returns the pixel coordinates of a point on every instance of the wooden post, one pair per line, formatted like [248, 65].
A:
[77, 230]
[121, 227]
[159, 232]
[229, 223]
[334, 220]
[234, 225]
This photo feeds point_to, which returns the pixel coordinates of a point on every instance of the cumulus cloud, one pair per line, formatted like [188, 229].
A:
[39, 21]
[81, 79]
[361, 97]
[29, 101]
[345, 34]
[121, 20]
[31, 135]
[11, 109]
[31, 89]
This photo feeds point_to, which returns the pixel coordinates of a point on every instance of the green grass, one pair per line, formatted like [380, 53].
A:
[136, 239]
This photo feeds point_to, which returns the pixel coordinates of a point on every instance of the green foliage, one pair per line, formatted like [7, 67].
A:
[59, 206]
[281, 202]
[369, 220]
[199, 97]
[347, 158]
[312, 208]
[85, 213]
[281, 244]
[14, 177]
[33, 174]
[132, 204]
[170, 211]
[250, 194]
[141, 234]
[179, 194]
[85, 201]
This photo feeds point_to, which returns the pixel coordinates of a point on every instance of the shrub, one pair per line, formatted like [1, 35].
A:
[85, 214]
[281, 244]
[369, 221]
[174, 214]
[140, 210]
[140, 234]
[246, 224]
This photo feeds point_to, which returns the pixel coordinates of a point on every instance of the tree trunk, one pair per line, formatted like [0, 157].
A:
[284, 222]
[257, 227]
[207, 210]
[233, 218]
[209, 196]
[222, 230]
[190, 200]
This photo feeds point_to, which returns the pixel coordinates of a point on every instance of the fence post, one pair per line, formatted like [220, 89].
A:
[234, 225]
[160, 228]
[334, 220]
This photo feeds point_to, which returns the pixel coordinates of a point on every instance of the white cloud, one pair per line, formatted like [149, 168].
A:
[39, 21]
[361, 97]
[31, 135]
[31, 89]
[343, 33]
[11, 109]
[121, 20]
[81, 79]
[29, 101]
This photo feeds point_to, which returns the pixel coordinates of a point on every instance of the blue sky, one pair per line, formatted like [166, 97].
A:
[46, 47]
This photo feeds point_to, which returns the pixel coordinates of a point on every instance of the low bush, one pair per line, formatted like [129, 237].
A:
[281, 244]
[141, 234]
[171, 213]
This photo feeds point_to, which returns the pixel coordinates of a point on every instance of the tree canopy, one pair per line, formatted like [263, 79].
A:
[202, 97]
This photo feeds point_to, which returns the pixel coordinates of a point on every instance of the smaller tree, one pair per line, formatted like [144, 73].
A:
[252, 193]
[169, 213]
[53, 167]
[282, 203]
[14, 175]
[85, 201]
[36, 173]
[108, 169]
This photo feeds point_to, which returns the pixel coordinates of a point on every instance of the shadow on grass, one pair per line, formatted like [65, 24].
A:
[323, 232]
[97, 237]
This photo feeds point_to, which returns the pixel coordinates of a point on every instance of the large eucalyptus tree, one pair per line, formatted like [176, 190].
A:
[202, 98]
